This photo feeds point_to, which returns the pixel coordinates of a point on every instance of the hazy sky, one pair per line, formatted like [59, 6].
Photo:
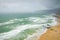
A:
[7, 6]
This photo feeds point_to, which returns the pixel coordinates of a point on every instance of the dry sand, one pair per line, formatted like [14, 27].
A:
[52, 33]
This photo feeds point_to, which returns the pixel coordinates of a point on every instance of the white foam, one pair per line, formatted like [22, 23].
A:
[36, 35]
[10, 21]
[14, 32]
[20, 28]
[37, 19]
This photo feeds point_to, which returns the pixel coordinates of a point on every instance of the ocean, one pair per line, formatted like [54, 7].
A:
[21, 26]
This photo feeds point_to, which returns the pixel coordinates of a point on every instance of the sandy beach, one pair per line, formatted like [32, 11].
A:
[52, 33]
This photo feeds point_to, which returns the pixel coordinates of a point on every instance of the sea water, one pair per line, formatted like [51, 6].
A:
[22, 26]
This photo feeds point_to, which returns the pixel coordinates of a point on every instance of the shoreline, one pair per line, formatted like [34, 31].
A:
[52, 33]
[37, 35]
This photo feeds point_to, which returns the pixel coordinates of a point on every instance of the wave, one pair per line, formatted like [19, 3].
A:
[18, 27]
[11, 21]
[38, 20]
[14, 32]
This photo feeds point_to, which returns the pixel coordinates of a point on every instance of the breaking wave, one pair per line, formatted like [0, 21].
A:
[23, 28]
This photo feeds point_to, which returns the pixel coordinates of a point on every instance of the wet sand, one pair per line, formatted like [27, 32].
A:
[52, 33]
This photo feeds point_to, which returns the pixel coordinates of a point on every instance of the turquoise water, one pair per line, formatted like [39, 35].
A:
[20, 26]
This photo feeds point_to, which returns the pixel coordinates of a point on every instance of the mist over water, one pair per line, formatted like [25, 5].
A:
[23, 19]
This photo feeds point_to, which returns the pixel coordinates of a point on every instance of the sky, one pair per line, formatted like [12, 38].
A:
[14, 6]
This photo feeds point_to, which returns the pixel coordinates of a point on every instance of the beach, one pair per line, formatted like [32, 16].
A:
[52, 33]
